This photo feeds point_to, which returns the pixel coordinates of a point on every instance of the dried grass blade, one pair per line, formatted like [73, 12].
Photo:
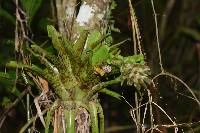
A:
[39, 111]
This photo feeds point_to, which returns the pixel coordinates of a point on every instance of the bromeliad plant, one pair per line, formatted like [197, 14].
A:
[75, 73]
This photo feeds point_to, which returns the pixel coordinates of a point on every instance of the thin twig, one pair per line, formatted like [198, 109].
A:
[145, 112]
[137, 113]
[164, 113]
[180, 125]
[22, 130]
[157, 36]
[181, 81]
[151, 110]
[115, 129]
[127, 102]
[28, 109]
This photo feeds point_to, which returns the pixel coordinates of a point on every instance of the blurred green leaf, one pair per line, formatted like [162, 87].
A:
[7, 75]
[5, 102]
[15, 91]
[191, 32]
[198, 20]
[7, 15]
[8, 42]
[93, 37]
[43, 24]
[31, 7]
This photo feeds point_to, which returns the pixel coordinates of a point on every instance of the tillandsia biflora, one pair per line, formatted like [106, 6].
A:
[75, 70]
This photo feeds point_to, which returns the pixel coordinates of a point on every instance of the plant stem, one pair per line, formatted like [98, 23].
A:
[49, 116]
[137, 113]
[101, 116]
[94, 117]
[70, 120]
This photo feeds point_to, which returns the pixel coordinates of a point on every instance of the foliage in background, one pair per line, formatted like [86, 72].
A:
[180, 52]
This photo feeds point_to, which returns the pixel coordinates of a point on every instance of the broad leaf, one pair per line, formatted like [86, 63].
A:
[101, 55]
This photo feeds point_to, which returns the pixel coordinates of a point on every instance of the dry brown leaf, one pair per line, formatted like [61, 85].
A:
[44, 84]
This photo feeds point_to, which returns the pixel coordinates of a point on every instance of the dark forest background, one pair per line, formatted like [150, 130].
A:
[179, 34]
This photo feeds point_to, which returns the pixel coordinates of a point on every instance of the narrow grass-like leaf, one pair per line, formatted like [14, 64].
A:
[80, 43]
[191, 32]
[31, 7]
[111, 93]
[7, 15]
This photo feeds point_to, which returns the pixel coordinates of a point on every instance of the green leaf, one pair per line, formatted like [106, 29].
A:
[191, 32]
[31, 7]
[134, 59]
[93, 37]
[7, 15]
[43, 22]
[6, 101]
[7, 75]
[198, 19]
[80, 43]
[56, 38]
[14, 64]
[100, 55]
[111, 93]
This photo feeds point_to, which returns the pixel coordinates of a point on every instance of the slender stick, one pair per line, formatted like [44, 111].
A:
[151, 110]
[157, 38]
[28, 109]
[137, 113]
